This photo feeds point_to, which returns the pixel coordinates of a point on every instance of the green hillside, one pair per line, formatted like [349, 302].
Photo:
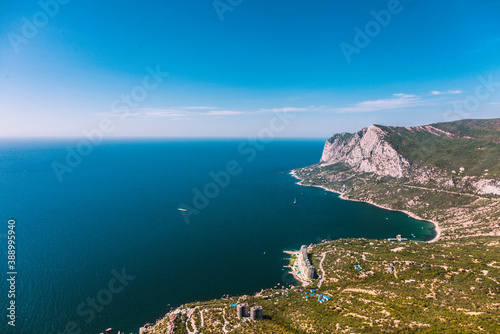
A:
[482, 129]
[475, 146]
[431, 288]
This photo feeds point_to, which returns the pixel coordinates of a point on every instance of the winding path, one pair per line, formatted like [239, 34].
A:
[190, 319]
[450, 192]
[321, 268]
[224, 329]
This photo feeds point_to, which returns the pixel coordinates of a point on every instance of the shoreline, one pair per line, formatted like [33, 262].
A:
[342, 197]
[303, 282]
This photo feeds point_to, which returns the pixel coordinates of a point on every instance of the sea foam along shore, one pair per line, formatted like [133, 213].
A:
[342, 196]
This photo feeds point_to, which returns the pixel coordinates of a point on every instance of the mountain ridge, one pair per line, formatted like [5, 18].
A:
[457, 155]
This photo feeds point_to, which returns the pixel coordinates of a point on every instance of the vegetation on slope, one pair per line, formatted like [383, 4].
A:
[402, 287]
[426, 149]
[482, 129]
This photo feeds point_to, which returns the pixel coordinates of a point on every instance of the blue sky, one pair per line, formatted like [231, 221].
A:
[232, 64]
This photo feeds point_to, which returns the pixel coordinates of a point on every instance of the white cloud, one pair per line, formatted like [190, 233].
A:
[224, 113]
[174, 113]
[453, 92]
[199, 108]
[289, 109]
[163, 114]
[399, 101]
[190, 112]
[196, 112]
[404, 95]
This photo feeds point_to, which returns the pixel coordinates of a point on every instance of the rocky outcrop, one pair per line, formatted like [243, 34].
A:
[366, 151]
[488, 187]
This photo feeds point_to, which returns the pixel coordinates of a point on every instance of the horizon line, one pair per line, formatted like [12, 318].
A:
[158, 137]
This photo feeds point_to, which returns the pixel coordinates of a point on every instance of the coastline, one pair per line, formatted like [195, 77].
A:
[304, 282]
[342, 196]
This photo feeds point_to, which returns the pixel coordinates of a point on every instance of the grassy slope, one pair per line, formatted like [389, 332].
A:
[362, 302]
[475, 155]
[483, 129]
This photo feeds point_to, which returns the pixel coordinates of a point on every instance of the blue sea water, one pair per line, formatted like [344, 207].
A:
[116, 212]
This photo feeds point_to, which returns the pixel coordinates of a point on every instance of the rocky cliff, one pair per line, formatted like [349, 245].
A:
[461, 155]
[366, 151]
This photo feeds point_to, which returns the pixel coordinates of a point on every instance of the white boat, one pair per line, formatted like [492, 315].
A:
[181, 209]
[294, 201]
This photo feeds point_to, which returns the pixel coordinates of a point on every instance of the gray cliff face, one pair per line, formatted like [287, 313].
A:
[366, 151]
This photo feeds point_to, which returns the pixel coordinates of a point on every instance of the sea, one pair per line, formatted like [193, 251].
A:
[100, 241]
